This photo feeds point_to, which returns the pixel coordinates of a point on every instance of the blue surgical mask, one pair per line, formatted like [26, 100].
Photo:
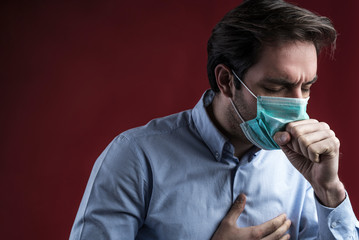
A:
[273, 114]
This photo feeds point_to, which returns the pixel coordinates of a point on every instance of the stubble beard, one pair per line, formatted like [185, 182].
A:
[234, 120]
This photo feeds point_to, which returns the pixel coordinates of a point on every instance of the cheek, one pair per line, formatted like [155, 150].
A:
[252, 106]
[247, 105]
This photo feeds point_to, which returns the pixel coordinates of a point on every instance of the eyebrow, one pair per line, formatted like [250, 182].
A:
[285, 82]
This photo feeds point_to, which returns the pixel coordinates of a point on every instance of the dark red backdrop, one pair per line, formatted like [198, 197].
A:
[76, 73]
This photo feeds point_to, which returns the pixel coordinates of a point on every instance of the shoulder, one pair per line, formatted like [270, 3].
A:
[135, 147]
[160, 126]
[156, 134]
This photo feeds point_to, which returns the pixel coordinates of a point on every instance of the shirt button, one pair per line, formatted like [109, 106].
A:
[217, 155]
[334, 224]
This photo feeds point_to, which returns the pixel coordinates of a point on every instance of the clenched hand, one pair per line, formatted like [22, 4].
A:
[313, 149]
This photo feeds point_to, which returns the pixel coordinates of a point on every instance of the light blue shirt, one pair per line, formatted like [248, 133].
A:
[176, 178]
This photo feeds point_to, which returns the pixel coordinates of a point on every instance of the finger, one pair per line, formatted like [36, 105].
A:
[282, 138]
[285, 237]
[329, 147]
[280, 232]
[302, 122]
[298, 128]
[272, 225]
[237, 208]
[305, 140]
[296, 131]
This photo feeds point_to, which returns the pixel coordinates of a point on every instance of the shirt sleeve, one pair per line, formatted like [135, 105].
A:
[116, 196]
[337, 223]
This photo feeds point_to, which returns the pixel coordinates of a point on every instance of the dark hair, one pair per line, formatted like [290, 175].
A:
[238, 39]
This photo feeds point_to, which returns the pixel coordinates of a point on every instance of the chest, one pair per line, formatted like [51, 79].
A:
[191, 199]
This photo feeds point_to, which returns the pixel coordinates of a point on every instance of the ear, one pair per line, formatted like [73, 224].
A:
[224, 79]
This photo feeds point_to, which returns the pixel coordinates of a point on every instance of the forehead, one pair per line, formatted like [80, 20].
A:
[293, 60]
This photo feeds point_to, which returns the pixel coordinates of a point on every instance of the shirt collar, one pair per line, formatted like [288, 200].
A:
[215, 141]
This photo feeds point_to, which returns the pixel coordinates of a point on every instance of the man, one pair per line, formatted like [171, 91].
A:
[246, 162]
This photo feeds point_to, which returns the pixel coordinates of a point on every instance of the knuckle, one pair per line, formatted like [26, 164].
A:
[278, 222]
[312, 153]
[324, 125]
[334, 144]
[281, 230]
[295, 132]
[331, 133]
[288, 223]
[303, 140]
[311, 149]
[237, 206]
[277, 234]
[226, 223]
[274, 225]
[296, 146]
[256, 233]
[336, 141]
[290, 126]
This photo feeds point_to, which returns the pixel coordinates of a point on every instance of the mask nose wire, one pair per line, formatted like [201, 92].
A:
[243, 84]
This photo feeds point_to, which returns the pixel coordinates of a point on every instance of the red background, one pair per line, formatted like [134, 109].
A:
[74, 74]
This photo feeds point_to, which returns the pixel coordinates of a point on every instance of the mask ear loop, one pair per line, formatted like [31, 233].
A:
[235, 109]
[244, 84]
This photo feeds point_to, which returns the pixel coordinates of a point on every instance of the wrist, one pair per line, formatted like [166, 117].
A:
[330, 195]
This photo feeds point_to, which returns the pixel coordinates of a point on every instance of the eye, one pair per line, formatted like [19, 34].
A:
[272, 90]
[306, 90]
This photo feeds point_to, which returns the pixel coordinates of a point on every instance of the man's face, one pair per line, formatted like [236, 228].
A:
[286, 70]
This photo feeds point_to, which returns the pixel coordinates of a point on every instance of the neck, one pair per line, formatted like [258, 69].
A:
[221, 114]
[240, 148]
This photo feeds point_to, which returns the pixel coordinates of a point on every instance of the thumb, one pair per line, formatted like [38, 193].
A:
[281, 138]
[237, 208]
